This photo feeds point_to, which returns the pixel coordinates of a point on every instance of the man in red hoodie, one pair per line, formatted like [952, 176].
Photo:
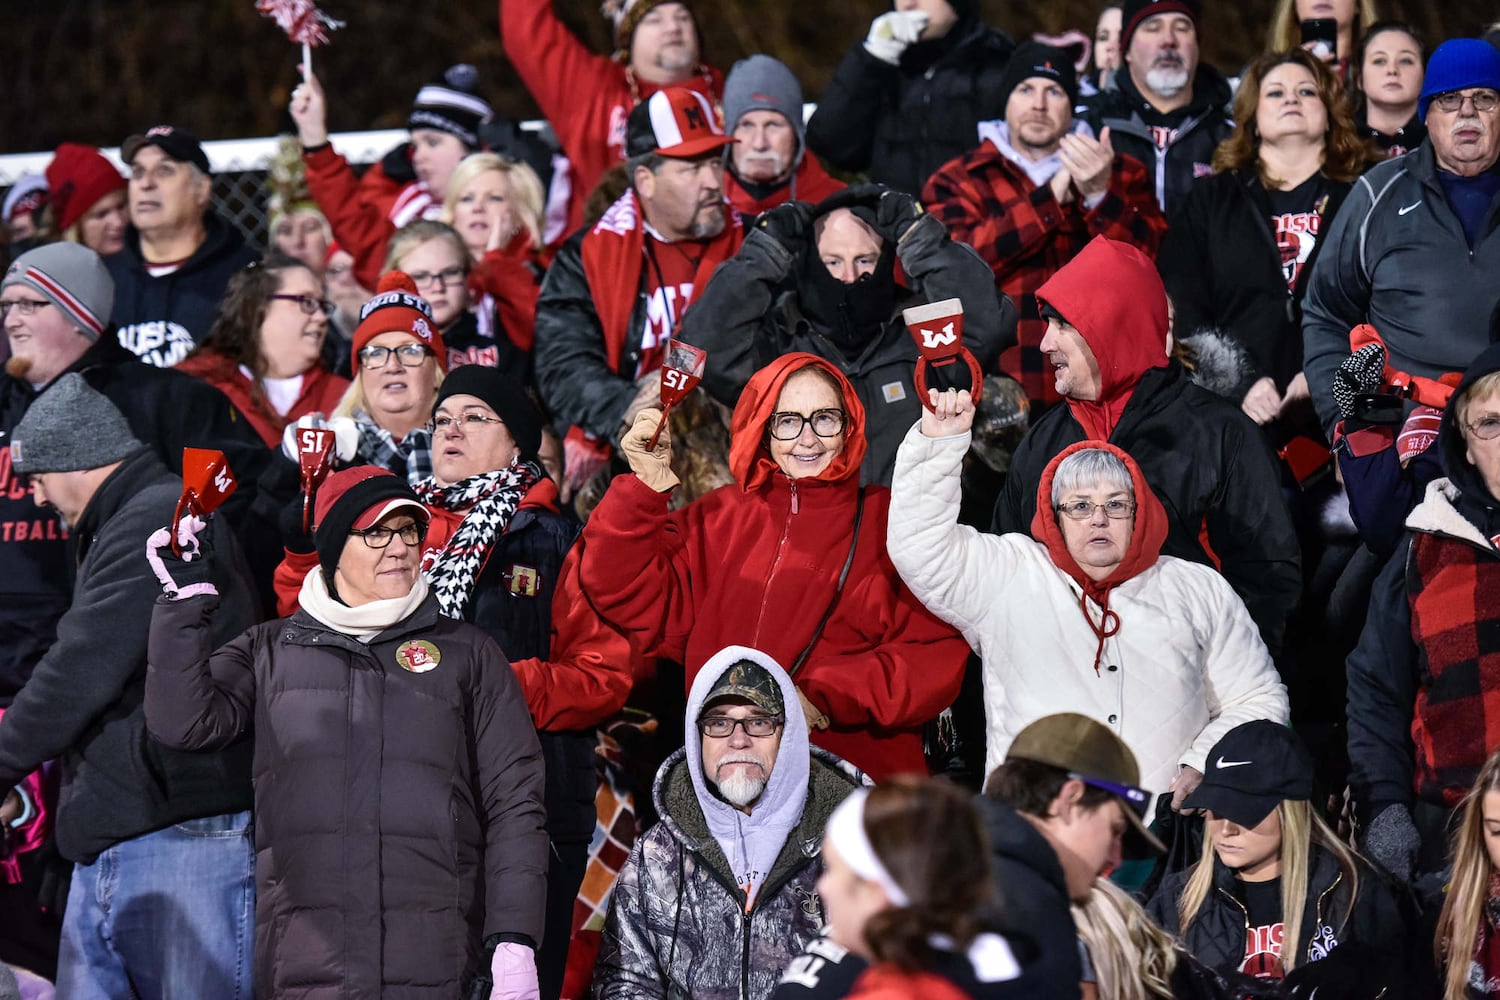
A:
[587, 97]
[1106, 344]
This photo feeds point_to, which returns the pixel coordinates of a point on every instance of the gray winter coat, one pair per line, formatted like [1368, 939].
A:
[1396, 257]
[398, 814]
[677, 926]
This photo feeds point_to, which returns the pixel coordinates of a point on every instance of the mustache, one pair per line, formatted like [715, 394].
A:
[1467, 123]
[1168, 58]
[740, 758]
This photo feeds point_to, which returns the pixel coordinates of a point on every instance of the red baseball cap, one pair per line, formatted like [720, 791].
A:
[675, 122]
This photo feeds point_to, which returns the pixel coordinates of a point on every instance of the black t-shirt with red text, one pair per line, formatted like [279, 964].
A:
[1296, 221]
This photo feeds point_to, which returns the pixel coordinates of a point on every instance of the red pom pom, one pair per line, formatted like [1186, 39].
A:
[396, 281]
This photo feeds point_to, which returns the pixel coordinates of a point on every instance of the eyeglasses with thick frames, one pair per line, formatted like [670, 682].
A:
[410, 355]
[309, 304]
[721, 727]
[466, 423]
[787, 426]
[1485, 428]
[380, 536]
[26, 307]
[1483, 100]
[447, 276]
[1083, 510]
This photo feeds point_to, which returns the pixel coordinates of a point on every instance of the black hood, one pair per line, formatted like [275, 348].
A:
[854, 315]
[1475, 501]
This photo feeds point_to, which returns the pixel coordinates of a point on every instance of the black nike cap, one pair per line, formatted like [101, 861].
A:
[1251, 770]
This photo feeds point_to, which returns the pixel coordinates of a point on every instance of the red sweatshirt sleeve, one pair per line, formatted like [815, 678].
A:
[358, 209]
[507, 277]
[288, 580]
[592, 667]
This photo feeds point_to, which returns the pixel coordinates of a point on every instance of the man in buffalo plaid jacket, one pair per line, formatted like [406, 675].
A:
[1037, 189]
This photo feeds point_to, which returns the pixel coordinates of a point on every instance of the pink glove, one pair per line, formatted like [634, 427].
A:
[189, 575]
[514, 970]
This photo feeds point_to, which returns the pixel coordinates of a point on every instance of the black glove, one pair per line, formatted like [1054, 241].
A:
[191, 572]
[54, 878]
[787, 224]
[289, 521]
[1360, 374]
[896, 213]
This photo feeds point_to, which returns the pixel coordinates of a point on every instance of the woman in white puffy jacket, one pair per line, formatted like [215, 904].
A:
[1087, 617]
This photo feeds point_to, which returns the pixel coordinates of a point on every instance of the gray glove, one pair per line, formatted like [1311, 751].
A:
[1392, 842]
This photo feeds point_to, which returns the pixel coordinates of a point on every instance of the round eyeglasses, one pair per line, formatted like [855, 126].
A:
[787, 426]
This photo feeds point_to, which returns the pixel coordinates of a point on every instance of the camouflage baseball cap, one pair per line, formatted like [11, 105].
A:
[749, 681]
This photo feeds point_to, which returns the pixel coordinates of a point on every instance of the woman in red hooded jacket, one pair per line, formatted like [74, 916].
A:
[790, 559]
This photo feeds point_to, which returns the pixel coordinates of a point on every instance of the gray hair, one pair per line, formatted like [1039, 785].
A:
[652, 161]
[1087, 467]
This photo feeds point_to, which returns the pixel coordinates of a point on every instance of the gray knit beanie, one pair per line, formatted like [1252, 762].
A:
[71, 277]
[71, 426]
[761, 83]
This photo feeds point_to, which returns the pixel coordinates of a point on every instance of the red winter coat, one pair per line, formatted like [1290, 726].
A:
[362, 210]
[321, 392]
[811, 183]
[757, 563]
[512, 277]
[586, 97]
[1026, 236]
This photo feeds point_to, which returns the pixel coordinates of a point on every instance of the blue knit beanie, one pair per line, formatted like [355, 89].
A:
[1457, 64]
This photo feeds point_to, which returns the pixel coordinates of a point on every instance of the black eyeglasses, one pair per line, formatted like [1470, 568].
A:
[380, 536]
[787, 426]
[447, 276]
[410, 355]
[26, 307]
[1083, 510]
[468, 422]
[721, 727]
[309, 304]
[1484, 100]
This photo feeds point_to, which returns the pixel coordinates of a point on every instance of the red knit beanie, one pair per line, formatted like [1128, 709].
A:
[78, 177]
[397, 308]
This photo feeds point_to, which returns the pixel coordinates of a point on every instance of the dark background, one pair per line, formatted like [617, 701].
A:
[96, 70]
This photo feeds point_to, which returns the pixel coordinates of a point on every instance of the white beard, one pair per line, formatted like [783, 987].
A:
[1167, 82]
[742, 787]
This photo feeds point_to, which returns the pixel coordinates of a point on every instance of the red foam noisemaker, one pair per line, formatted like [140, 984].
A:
[315, 460]
[938, 329]
[680, 375]
[206, 483]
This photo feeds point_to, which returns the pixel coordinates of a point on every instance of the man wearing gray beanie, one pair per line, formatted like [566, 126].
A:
[769, 165]
[156, 836]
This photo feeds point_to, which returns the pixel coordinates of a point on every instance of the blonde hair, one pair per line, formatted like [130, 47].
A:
[1133, 958]
[526, 197]
[1482, 388]
[353, 400]
[1286, 26]
[1468, 887]
[1301, 828]
[412, 235]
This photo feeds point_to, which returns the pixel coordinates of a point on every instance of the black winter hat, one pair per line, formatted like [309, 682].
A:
[1036, 59]
[504, 395]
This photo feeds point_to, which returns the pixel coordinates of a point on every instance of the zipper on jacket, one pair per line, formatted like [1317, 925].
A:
[1245, 943]
[1318, 914]
[745, 953]
[786, 526]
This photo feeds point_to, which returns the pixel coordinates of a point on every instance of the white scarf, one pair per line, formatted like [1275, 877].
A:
[365, 621]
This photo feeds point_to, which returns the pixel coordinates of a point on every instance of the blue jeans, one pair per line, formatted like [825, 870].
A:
[162, 916]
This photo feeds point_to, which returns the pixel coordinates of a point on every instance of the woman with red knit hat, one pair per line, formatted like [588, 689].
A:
[1087, 617]
[87, 199]
[399, 822]
[265, 349]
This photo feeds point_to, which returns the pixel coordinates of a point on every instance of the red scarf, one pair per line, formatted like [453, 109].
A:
[614, 252]
[1150, 532]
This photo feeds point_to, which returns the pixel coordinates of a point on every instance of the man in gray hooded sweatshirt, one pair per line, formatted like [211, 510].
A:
[719, 896]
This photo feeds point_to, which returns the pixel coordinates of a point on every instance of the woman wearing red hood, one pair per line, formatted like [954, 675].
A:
[1089, 618]
[790, 559]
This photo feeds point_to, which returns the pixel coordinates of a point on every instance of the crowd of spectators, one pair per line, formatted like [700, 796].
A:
[1029, 529]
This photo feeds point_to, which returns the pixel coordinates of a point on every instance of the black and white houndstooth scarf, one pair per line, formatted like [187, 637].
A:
[492, 499]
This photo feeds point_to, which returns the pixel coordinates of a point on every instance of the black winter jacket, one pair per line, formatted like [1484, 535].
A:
[1033, 910]
[1213, 472]
[166, 411]
[84, 703]
[1217, 936]
[398, 814]
[161, 319]
[1175, 148]
[901, 123]
[1223, 269]
[747, 317]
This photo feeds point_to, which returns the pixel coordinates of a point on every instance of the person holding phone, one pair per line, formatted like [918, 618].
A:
[1303, 24]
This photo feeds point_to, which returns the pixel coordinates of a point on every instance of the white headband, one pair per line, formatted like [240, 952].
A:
[846, 831]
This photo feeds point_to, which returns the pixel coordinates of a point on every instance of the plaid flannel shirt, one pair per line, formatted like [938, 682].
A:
[1025, 236]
